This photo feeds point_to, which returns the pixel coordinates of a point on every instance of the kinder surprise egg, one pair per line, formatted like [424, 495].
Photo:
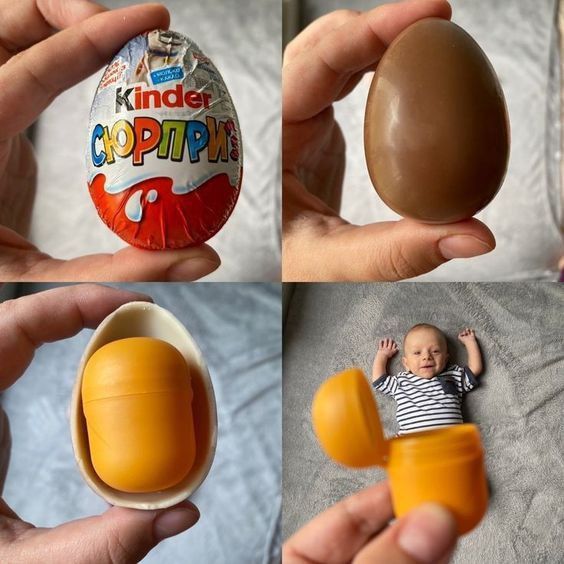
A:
[164, 155]
[143, 414]
[436, 131]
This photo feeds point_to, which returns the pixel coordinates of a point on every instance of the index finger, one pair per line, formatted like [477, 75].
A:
[26, 323]
[337, 534]
[30, 80]
[26, 22]
[313, 80]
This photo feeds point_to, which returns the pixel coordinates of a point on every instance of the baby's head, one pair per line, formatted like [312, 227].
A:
[425, 351]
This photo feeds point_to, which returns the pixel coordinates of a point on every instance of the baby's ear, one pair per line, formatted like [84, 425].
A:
[404, 362]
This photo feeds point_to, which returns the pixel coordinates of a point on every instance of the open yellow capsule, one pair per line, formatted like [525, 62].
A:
[445, 465]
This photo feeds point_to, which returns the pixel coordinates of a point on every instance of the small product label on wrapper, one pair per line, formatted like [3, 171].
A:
[164, 153]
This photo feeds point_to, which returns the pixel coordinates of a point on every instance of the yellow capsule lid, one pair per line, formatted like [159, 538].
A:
[134, 365]
[346, 421]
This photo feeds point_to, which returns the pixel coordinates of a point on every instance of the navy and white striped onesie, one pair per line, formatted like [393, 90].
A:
[427, 403]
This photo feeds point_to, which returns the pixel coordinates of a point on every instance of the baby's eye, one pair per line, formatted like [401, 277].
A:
[417, 352]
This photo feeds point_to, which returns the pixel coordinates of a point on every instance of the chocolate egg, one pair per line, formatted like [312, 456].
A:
[436, 131]
[164, 155]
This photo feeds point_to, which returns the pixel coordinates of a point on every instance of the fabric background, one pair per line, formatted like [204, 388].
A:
[518, 405]
[243, 40]
[237, 327]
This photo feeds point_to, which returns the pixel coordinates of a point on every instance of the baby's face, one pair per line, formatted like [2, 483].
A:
[425, 353]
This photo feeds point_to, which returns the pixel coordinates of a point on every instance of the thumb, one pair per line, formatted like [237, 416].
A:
[118, 535]
[426, 535]
[396, 250]
[126, 265]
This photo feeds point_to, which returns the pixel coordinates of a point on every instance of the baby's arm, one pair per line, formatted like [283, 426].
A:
[387, 348]
[468, 338]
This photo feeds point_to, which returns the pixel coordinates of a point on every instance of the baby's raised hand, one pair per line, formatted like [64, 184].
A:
[466, 335]
[387, 348]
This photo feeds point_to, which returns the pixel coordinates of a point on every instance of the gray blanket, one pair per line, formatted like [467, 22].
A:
[518, 405]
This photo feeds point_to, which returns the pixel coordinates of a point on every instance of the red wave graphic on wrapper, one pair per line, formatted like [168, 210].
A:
[172, 221]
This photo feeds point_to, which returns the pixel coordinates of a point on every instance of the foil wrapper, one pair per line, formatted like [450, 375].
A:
[164, 157]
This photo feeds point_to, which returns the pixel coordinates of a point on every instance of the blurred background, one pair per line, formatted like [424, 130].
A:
[237, 327]
[522, 40]
[243, 40]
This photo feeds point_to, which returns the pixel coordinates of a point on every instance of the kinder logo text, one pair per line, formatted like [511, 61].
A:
[136, 98]
[171, 139]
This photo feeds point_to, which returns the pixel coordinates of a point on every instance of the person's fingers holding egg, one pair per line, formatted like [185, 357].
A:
[27, 22]
[316, 31]
[325, 77]
[33, 78]
[69, 309]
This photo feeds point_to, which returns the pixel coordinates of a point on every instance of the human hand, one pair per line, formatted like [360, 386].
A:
[118, 535]
[322, 65]
[356, 530]
[467, 335]
[468, 338]
[35, 66]
[387, 348]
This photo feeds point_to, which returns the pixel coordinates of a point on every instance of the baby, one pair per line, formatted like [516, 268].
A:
[428, 394]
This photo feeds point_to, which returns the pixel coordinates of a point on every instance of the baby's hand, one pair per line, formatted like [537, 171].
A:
[387, 348]
[466, 335]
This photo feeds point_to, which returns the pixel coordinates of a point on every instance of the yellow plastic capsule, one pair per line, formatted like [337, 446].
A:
[445, 465]
[137, 401]
[345, 420]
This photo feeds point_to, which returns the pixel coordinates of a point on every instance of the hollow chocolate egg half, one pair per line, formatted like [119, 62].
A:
[436, 131]
[143, 413]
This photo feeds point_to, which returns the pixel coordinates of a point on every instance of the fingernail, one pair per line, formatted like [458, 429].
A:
[174, 521]
[463, 246]
[428, 534]
[190, 269]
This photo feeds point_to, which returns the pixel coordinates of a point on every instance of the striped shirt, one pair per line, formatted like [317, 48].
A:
[427, 403]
